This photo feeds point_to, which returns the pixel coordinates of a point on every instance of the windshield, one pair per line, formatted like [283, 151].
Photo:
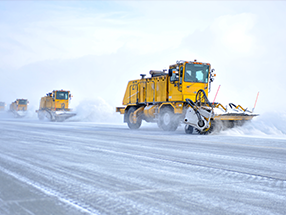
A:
[196, 73]
[22, 102]
[62, 95]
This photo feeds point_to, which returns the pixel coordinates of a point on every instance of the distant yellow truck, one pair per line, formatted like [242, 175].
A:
[55, 106]
[19, 107]
[2, 106]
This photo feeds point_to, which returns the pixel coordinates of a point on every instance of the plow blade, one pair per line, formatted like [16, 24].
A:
[63, 115]
[58, 116]
[19, 114]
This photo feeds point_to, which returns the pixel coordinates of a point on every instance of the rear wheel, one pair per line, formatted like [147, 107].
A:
[168, 121]
[130, 121]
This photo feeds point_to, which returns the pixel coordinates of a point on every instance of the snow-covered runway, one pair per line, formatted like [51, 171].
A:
[92, 168]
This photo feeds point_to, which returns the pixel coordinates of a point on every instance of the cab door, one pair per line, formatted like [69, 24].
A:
[193, 81]
[175, 84]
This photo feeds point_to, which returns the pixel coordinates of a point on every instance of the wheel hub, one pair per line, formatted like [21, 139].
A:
[166, 118]
[131, 117]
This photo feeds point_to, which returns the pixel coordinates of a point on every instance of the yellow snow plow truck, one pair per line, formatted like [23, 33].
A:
[2, 106]
[55, 106]
[179, 95]
[19, 107]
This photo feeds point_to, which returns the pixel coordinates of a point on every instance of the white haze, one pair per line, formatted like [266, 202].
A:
[93, 48]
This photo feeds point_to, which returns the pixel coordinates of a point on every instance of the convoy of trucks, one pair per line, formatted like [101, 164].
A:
[169, 98]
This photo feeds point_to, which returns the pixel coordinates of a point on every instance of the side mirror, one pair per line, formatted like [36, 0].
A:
[174, 77]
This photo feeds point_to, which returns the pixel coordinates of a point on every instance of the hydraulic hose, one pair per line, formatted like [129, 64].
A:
[204, 96]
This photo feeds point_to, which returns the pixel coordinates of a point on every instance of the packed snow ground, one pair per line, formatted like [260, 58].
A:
[85, 166]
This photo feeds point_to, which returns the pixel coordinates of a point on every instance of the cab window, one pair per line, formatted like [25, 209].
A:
[62, 95]
[196, 73]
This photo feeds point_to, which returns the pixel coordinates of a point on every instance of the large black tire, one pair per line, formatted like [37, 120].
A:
[129, 119]
[168, 121]
[189, 129]
[208, 130]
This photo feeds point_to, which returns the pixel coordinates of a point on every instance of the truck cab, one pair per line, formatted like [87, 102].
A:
[61, 99]
[187, 78]
[19, 105]
[56, 100]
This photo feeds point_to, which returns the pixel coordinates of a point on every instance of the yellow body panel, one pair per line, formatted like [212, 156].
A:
[174, 92]
[234, 117]
[150, 110]
[189, 90]
[162, 89]
[121, 110]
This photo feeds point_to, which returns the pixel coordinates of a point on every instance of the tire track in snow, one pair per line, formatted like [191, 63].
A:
[86, 207]
[50, 192]
[217, 170]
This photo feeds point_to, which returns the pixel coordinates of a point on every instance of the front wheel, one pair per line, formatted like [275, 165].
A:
[168, 121]
[189, 129]
[41, 115]
[130, 121]
[213, 127]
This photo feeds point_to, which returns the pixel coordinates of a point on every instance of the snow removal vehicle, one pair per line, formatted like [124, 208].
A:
[2, 106]
[179, 95]
[55, 106]
[19, 107]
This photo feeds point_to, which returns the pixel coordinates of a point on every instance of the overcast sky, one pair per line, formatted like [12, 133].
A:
[93, 48]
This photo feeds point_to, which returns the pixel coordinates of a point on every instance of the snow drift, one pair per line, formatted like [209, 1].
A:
[267, 124]
[97, 110]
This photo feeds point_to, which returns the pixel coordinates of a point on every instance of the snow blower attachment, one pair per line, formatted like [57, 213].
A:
[206, 117]
[55, 106]
[19, 107]
[179, 96]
